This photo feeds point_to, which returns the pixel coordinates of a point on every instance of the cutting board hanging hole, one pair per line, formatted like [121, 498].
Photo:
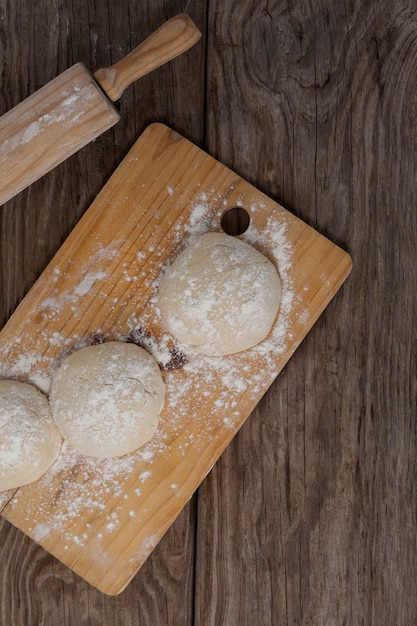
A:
[235, 221]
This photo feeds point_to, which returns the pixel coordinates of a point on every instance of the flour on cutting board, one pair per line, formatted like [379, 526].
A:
[98, 481]
[81, 289]
[58, 299]
[111, 489]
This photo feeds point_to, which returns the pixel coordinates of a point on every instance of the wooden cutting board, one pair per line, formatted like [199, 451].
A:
[102, 518]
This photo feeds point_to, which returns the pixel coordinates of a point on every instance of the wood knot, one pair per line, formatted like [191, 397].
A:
[276, 43]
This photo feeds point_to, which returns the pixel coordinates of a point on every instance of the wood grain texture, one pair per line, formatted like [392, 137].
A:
[310, 515]
[169, 41]
[103, 519]
[320, 113]
[37, 43]
[75, 108]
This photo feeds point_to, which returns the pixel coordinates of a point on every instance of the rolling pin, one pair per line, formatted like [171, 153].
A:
[76, 107]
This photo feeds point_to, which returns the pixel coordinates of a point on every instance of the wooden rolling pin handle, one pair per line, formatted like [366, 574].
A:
[169, 41]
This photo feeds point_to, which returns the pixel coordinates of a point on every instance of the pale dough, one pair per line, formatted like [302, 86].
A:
[106, 398]
[29, 440]
[220, 295]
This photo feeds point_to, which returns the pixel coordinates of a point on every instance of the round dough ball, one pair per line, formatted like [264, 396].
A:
[29, 440]
[220, 295]
[106, 398]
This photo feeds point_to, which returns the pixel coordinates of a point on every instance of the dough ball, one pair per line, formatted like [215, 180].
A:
[220, 295]
[106, 398]
[29, 440]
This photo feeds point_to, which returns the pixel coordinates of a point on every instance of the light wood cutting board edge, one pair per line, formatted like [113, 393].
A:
[165, 191]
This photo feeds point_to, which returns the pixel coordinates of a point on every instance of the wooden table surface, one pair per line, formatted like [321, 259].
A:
[309, 517]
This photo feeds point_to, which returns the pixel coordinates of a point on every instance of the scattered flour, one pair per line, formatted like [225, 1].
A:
[203, 391]
[87, 283]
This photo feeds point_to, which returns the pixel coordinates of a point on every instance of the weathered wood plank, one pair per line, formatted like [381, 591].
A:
[310, 515]
[38, 41]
